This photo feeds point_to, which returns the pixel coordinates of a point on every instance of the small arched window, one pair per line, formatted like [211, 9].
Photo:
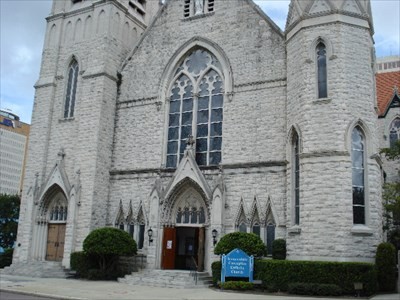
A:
[358, 163]
[394, 133]
[70, 98]
[322, 70]
[296, 176]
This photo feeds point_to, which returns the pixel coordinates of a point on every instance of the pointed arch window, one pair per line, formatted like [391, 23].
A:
[296, 176]
[72, 83]
[322, 70]
[358, 165]
[196, 109]
[394, 133]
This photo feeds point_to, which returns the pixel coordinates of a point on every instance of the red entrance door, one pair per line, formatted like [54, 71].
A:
[168, 248]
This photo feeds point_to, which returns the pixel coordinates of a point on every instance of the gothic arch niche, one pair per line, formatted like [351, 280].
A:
[51, 221]
[186, 216]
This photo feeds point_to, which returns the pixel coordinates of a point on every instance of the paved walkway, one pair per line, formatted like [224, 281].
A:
[99, 290]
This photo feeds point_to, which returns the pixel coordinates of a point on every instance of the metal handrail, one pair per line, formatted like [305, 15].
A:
[193, 269]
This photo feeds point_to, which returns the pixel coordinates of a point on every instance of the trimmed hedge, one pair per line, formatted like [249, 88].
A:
[82, 263]
[314, 289]
[6, 257]
[278, 274]
[248, 242]
[279, 249]
[386, 267]
[237, 285]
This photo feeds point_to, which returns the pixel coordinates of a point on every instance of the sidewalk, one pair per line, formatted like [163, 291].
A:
[108, 290]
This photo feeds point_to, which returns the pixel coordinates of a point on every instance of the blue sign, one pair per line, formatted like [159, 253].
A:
[237, 264]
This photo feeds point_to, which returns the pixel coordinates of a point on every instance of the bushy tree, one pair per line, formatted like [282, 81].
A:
[391, 196]
[9, 213]
[107, 244]
[248, 242]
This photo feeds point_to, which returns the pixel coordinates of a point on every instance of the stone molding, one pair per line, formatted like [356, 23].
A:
[259, 85]
[324, 154]
[139, 102]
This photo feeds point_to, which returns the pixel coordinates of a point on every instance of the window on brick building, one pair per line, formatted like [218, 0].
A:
[296, 176]
[394, 133]
[358, 165]
[196, 109]
[72, 83]
[322, 71]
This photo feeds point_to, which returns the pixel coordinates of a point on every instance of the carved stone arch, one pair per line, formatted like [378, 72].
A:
[68, 33]
[130, 219]
[369, 146]
[54, 196]
[271, 215]
[289, 140]
[169, 208]
[69, 61]
[218, 205]
[388, 125]
[78, 30]
[52, 37]
[101, 23]
[182, 52]
[141, 215]
[255, 212]
[88, 27]
[241, 215]
[120, 215]
[313, 46]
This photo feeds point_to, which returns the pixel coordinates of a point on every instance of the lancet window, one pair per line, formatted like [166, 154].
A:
[196, 109]
[358, 168]
[69, 105]
[322, 71]
[190, 214]
[296, 176]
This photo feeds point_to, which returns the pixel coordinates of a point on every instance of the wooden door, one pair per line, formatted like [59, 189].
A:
[168, 248]
[55, 242]
[200, 251]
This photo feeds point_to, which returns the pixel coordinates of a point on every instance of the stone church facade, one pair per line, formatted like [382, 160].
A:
[193, 117]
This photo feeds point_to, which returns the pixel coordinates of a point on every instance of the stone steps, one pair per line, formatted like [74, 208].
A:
[168, 278]
[44, 269]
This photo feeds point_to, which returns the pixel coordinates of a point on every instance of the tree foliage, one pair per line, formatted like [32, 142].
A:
[391, 194]
[9, 212]
[386, 267]
[107, 244]
[248, 242]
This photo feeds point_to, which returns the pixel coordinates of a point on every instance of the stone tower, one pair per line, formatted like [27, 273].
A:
[332, 139]
[67, 174]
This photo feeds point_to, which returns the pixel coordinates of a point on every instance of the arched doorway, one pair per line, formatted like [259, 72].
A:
[183, 240]
[57, 216]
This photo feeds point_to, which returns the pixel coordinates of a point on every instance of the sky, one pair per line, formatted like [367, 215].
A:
[22, 27]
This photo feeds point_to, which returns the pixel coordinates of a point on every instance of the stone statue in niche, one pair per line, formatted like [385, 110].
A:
[198, 7]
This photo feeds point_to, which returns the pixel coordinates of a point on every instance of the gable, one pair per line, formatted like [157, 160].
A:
[387, 85]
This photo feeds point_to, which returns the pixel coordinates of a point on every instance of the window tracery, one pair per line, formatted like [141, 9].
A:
[190, 212]
[59, 212]
[196, 109]
[394, 132]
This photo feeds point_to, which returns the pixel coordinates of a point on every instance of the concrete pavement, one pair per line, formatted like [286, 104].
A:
[107, 290]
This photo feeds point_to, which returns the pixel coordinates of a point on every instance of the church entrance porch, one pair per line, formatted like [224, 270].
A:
[183, 248]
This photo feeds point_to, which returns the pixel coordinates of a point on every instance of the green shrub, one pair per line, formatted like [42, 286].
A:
[248, 242]
[237, 285]
[82, 263]
[107, 244]
[314, 289]
[278, 274]
[386, 267]
[216, 267]
[279, 249]
[6, 257]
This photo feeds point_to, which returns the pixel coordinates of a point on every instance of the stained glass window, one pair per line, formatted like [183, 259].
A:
[357, 157]
[196, 109]
[296, 178]
[322, 71]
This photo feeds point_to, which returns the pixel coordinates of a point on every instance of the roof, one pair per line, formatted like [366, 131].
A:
[386, 85]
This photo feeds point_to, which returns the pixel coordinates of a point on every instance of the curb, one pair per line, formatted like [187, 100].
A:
[13, 291]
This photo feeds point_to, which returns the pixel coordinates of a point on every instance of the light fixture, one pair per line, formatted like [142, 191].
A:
[214, 236]
[150, 234]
